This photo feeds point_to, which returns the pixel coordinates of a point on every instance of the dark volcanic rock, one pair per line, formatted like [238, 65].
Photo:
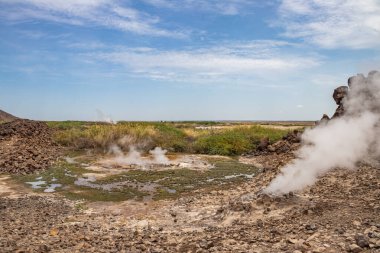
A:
[339, 111]
[339, 94]
[280, 147]
[361, 240]
[288, 143]
[26, 146]
[324, 118]
[293, 137]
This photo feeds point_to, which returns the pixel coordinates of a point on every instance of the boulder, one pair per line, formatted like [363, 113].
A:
[339, 111]
[361, 240]
[280, 147]
[339, 94]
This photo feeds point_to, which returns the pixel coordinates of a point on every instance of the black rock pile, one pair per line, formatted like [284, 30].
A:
[288, 143]
[26, 146]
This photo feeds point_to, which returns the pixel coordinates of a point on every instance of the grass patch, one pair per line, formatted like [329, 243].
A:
[175, 137]
[236, 141]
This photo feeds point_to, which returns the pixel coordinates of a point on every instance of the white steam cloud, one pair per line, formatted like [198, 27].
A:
[156, 159]
[159, 156]
[134, 157]
[104, 117]
[341, 142]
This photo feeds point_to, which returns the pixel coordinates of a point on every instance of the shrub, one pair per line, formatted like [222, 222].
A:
[145, 136]
[235, 141]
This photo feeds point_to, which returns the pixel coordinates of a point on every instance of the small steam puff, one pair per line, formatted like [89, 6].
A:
[341, 142]
[159, 156]
[104, 118]
[133, 157]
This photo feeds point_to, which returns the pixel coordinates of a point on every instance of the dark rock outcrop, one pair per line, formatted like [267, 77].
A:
[343, 91]
[26, 146]
[339, 94]
[325, 117]
[289, 142]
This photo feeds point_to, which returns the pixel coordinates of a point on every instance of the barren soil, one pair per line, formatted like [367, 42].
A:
[341, 213]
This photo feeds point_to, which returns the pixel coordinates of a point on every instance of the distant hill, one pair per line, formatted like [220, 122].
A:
[4, 116]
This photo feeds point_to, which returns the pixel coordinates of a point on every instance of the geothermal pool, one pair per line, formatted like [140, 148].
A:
[120, 175]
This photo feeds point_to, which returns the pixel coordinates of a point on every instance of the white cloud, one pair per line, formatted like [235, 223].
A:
[223, 63]
[230, 7]
[332, 24]
[106, 13]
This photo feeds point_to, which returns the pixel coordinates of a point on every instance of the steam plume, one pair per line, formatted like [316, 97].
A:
[133, 157]
[341, 142]
[159, 156]
[104, 117]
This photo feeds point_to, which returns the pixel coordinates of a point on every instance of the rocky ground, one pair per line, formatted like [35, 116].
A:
[341, 213]
[26, 146]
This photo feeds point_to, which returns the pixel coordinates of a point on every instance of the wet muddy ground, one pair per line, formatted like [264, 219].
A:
[101, 178]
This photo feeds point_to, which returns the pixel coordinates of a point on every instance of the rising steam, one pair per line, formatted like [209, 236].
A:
[104, 117]
[134, 157]
[341, 142]
[156, 159]
[159, 156]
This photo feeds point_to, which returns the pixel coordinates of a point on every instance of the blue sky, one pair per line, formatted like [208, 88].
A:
[182, 60]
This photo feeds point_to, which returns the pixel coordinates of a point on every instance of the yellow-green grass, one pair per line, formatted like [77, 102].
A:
[217, 139]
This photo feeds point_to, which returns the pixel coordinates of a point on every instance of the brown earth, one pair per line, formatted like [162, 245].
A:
[4, 116]
[340, 213]
[26, 146]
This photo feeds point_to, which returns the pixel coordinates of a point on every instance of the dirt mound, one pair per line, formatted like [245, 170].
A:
[4, 116]
[289, 142]
[26, 146]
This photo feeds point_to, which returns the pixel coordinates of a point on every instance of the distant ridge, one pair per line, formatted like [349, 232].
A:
[4, 116]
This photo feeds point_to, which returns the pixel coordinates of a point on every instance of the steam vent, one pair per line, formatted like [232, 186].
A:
[342, 92]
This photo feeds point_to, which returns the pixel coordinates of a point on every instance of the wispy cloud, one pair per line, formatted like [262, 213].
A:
[332, 24]
[106, 13]
[231, 7]
[233, 61]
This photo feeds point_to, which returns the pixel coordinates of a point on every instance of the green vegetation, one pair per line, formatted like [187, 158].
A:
[236, 141]
[214, 138]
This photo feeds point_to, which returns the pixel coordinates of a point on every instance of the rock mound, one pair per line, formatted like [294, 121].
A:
[4, 116]
[26, 146]
[288, 143]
